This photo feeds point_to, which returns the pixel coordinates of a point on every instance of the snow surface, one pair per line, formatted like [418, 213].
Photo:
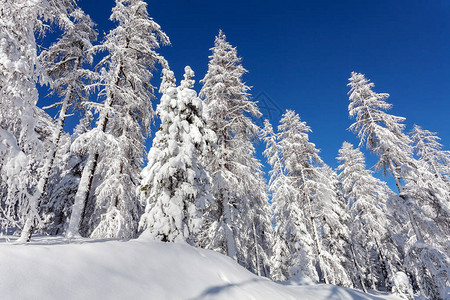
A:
[51, 268]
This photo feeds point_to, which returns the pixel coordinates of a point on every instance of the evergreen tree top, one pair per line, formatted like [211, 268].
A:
[381, 132]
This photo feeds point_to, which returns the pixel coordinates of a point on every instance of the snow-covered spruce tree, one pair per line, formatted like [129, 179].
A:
[253, 219]
[428, 149]
[20, 69]
[116, 146]
[175, 184]
[426, 257]
[375, 257]
[293, 251]
[237, 188]
[167, 80]
[332, 219]
[435, 164]
[65, 63]
[307, 207]
[301, 160]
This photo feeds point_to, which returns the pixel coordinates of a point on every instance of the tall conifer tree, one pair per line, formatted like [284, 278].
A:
[237, 217]
[371, 241]
[106, 203]
[19, 116]
[175, 183]
[426, 254]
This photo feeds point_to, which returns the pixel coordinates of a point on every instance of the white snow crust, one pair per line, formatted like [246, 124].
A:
[52, 268]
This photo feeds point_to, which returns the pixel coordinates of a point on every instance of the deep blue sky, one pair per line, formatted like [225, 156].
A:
[301, 53]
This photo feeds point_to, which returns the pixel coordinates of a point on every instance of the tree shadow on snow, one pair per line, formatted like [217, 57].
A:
[216, 290]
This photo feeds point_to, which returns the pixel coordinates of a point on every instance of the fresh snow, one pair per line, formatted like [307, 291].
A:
[204, 184]
[52, 268]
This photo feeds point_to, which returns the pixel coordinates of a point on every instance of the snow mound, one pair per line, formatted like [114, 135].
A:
[51, 268]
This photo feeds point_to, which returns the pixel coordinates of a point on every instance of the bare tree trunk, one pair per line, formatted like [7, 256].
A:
[358, 270]
[228, 228]
[82, 195]
[258, 264]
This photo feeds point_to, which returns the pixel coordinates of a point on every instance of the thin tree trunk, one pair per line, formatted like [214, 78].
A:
[386, 271]
[358, 269]
[25, 235]
[318, 249]
[227, 222]
[316, 237]
[436, 171]
[228, 228]
[255, 238]
[79, 205]
[45, 175]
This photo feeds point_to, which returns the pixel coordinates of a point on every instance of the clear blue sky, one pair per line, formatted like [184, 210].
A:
[301, 53]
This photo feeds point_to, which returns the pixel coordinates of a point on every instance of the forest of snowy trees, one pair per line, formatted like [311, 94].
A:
[202, 182]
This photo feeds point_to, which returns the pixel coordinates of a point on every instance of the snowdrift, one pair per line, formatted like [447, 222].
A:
[51, 268]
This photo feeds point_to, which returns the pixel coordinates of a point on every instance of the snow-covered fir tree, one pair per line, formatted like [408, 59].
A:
[167, 80]
[253, 222]
[19, 116]
[426, 257]
[175, 184]
[281, 191]
[107, 202]
[333, 221]
[65, 63]
[375, 257]
[428, 149]
[237, 216]
[436, 163]
[307, 208]
[294, 225]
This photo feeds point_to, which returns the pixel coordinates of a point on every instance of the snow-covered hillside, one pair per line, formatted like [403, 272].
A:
[51, 268]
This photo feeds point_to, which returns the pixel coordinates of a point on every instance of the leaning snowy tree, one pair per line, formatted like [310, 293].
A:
[107, 202]
[21, 70]
[63, 184]
[237, 218]
[375, 256]
[433, 172]
[437, 162]
[429, 150]
[426, 256]
[65, 63]
[175, 184]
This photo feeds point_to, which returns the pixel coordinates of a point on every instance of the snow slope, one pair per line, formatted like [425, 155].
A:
[51, 268]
